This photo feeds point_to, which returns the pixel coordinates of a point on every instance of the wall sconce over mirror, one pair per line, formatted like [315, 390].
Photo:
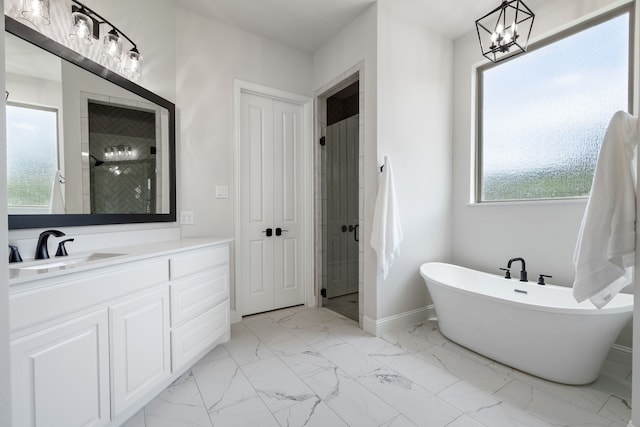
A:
[85, 26]
[504, 32]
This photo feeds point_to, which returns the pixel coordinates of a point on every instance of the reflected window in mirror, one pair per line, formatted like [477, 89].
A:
[32, 159]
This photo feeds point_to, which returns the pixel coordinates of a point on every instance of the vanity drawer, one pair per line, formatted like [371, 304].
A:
[191, 339]
[197, 260]
[71, 294]
[194, 294]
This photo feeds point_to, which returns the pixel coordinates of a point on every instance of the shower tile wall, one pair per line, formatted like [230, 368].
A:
[106, 132]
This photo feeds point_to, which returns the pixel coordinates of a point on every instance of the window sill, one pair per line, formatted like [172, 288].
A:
[551, 202]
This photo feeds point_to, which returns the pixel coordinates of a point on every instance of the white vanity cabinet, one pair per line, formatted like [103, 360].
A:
[60, 375]
[92, 346]
[139, 348]
[199, 302]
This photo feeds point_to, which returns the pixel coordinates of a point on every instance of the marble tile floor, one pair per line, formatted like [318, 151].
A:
[312, 367]
[347, 305]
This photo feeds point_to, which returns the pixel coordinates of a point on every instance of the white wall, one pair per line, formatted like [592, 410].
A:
[357, 43]
[414, 130]
[486, 236]
[210, 55]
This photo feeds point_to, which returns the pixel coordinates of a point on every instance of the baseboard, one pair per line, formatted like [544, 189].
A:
[620, 354]
[380, 326]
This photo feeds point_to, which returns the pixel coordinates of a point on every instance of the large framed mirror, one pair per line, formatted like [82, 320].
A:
[85, 146]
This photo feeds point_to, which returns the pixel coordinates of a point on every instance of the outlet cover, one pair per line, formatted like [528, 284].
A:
[186, 217]
[222, 192]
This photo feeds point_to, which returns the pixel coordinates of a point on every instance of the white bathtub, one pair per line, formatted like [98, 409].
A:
[541, 330]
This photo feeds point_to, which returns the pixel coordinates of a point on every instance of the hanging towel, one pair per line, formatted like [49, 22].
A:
[56, 203]
[605, 250]
[387, 230]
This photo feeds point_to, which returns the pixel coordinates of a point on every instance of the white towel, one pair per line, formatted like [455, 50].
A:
[605, 251]
[56, 203]
[387, 230]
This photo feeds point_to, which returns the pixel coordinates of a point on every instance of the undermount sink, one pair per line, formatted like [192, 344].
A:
[47, 264]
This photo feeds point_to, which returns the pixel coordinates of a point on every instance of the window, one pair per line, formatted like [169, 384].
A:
[32, 156]
[542, 115]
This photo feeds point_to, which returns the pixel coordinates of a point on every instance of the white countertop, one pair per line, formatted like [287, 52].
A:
[123, 254]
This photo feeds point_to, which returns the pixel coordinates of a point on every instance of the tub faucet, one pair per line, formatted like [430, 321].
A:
[523, 272]
[42, 252]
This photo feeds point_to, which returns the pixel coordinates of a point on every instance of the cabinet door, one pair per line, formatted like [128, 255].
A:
[60, 375]
[139, 347]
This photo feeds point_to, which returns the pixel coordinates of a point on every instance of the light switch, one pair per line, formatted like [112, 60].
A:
[222, 192]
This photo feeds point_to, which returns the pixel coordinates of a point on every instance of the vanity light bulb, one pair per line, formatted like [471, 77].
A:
[36, 11]
[131, 69]
[112, 46]
[81, 27]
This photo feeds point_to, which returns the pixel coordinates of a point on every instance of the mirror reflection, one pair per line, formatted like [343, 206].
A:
[79, 144]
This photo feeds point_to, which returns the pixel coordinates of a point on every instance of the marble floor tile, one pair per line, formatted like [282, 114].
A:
[549, 407]
[310, 413]
[276, 384]
[245, 413]
[308, 363]
[399, 421]
[221, 383]
[352, 401]
[351, 359]
[429, 377]
[179, 405]
[306, 366]
[413, 338]
[245, 347]
[417, 404]
[469, 370]
[616, 409]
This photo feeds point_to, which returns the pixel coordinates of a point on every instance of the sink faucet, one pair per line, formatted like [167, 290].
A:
[523, 272]
[42, 252]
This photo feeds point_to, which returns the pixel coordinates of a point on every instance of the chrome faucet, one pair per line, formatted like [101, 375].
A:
[42, 252]
[523, 272]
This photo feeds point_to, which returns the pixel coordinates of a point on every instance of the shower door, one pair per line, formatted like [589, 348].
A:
[342, 207]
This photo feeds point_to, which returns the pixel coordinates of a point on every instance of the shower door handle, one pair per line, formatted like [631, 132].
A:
[355, 232]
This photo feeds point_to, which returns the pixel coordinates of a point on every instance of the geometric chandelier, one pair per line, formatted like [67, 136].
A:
[85, 26]
[504, 32]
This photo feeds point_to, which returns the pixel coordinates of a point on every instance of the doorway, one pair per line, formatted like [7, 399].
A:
[341, 203]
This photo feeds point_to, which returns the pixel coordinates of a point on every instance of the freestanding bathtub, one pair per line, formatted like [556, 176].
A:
[538, 329]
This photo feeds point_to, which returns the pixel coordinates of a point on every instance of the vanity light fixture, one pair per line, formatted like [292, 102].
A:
[36, 11]
[85, 25]
[504, 32]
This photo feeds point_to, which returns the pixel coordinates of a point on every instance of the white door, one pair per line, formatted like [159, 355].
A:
[139, 347]
[60, 375]
[271, 209]
[342, 207]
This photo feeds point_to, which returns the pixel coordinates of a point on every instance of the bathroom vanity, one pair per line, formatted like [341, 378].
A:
[94, 338]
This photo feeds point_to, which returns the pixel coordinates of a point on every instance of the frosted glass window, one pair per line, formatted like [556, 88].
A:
[32, 156]
[543, 114]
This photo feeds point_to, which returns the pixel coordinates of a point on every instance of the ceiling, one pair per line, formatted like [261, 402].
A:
[309, 24]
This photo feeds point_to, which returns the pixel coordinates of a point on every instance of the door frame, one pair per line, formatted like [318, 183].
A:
[307, 256]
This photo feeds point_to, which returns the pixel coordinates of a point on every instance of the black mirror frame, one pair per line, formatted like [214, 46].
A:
[72, 220]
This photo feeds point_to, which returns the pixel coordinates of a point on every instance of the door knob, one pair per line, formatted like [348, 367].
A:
[279, 231]
[268, 231]
[344, 228]
[350, 228]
